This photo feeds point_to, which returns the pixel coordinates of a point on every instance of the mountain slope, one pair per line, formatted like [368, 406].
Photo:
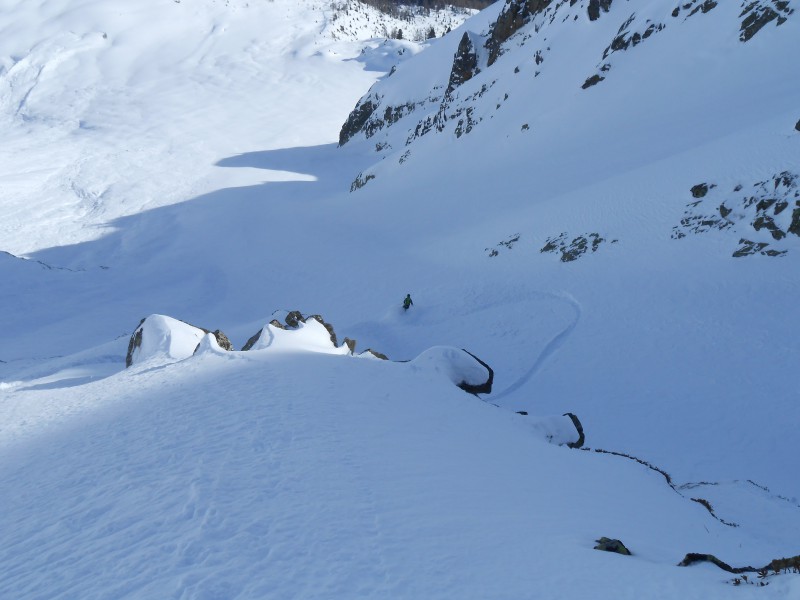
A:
[583, 241]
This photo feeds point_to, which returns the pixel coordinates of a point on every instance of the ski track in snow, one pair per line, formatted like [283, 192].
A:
[549, 349]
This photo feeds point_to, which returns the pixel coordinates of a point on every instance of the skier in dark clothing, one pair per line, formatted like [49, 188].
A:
[407, 302]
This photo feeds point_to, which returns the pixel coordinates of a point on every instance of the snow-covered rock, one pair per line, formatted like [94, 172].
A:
[165, 338]
[299, 334]
[464, 369]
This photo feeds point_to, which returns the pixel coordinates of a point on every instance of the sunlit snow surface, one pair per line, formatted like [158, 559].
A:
[179, 158]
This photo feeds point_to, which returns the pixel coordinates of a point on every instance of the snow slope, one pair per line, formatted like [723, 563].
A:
[187, 165]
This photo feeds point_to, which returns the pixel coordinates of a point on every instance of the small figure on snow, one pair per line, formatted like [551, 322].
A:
[407, 302]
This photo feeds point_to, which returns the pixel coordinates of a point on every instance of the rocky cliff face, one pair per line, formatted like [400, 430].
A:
[527, 26]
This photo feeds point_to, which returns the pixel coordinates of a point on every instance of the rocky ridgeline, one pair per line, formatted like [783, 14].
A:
[764, 216]
[522, 22]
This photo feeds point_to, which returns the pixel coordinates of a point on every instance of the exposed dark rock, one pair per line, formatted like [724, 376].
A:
[515, 14]
[748, 248]
[693, 558]
[360, 181]
[576, 248]
[579, 429]
[700, 190]
[357, 119]
[134, 343]
[705, 503]
[776, 565]
[376, 354]
[794, 227]
[465, 63]
[222, 340]
[797, 127]
[524, 413]
[481, 388]
[768, 223]
[595, 6]
[351, 345]
[755, 210]
[609, 545]
[252, 341]
[645, 463]
[759, 13]
[591, 81]
[293, 318]
[626, 38]
[699, 6]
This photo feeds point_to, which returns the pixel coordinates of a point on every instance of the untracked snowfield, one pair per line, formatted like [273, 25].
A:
[181, 159]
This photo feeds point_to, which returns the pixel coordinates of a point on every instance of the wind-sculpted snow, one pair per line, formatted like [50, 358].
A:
[164, 338]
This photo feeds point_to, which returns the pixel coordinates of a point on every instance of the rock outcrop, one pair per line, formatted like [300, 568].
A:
[295, 321]
[465, 62]
[514, 16]
[759, 13]
[573, 249]
[357, 119]
[609, 545]
[769, 209]
[595, 6]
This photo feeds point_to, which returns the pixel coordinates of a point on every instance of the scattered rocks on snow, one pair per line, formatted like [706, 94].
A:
[628, 38]
[748, 248]
[514, 16]
[574, 249]
[507, 244]
[770, 208]
[759, 13]
[695, 6]
[608, 545]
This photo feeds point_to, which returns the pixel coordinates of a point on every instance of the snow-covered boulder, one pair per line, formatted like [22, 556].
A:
[162, 336]
[464, 369]
[562, 430]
